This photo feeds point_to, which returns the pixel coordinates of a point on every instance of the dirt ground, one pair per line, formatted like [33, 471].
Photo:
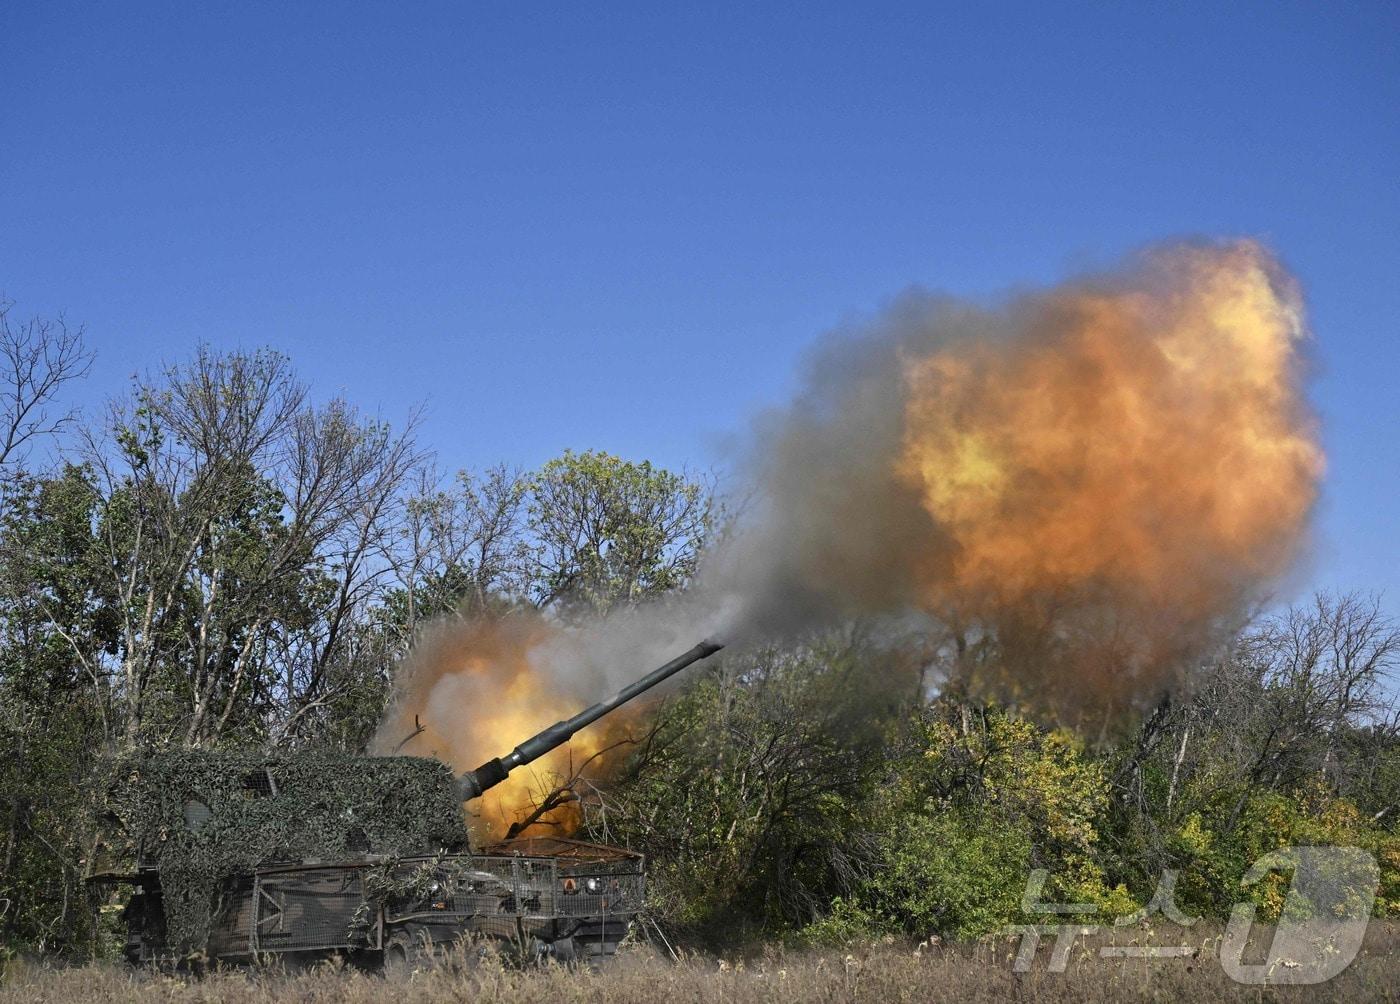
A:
[984, 971]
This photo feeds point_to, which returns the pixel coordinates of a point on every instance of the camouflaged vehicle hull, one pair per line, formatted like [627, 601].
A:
[537, 897]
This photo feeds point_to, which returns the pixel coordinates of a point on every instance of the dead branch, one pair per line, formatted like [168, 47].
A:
[565, 792]
[418, 728]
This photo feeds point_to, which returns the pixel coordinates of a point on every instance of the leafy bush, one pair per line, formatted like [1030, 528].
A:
[957, 872]
[847, 923]
[1218, 848]
[751, 799]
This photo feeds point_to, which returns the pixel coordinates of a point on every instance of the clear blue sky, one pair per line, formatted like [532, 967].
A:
[617, 226]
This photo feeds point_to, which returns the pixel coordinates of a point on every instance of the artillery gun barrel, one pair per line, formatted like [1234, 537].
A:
[493, 772]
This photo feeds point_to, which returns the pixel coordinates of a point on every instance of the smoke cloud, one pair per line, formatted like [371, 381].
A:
[1087, 486]
[1077, 492]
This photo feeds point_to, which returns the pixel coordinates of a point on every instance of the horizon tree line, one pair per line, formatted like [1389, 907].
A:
[217, 559]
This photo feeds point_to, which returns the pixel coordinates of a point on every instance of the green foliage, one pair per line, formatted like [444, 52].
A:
[611, 531]
[847, 923]
[230, 567]
[225, 566]
[976, 801]
[50, 718]
[958, 872]
[748, 800]
[44, 778]
[1216, 851]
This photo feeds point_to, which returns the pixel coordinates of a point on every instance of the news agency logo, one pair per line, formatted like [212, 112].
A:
[1320, 929]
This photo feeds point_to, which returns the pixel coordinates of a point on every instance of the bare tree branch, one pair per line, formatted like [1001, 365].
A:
[37, 357]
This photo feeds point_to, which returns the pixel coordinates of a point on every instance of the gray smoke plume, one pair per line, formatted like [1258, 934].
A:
[1078, 491]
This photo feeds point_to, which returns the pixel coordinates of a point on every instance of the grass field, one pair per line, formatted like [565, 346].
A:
[885, 972]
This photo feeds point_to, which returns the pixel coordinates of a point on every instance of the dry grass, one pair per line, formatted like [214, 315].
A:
[888, 972]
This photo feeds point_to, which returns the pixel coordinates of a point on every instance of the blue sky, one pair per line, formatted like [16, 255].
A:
[623, 227]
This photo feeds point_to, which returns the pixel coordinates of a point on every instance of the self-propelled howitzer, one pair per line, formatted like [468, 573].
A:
[474, 782]
[235, 856]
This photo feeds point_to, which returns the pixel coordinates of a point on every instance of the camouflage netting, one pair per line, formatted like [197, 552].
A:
[202, 817]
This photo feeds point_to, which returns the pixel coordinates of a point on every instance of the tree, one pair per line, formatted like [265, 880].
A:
[1288, 703]
[461, 550]
[748, 797]
[583, 534]
[608, 531]
[47, 719]
[240, 532]
[37, 357]
[1294, 720]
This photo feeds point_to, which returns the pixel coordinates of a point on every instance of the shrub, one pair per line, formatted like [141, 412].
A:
[957, 872]
[846, 924]
[1218, 847]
